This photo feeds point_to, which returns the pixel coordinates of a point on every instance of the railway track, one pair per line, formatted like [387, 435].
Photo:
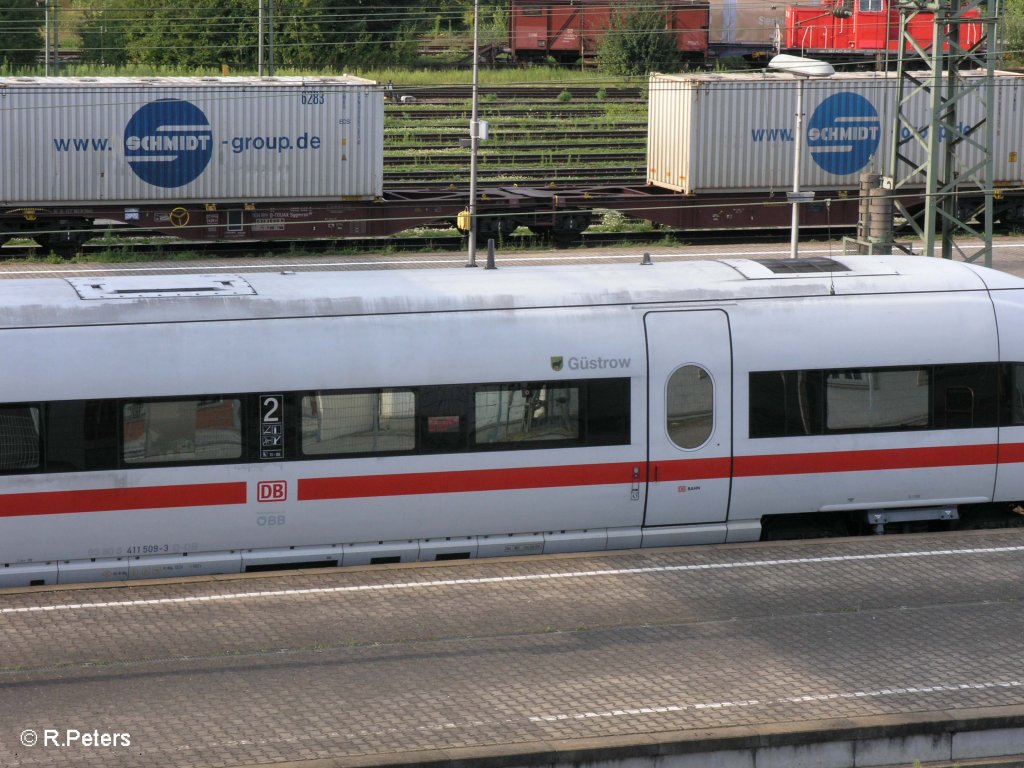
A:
[545, 177]
[531, 161]
[612, 91]
[538, 137]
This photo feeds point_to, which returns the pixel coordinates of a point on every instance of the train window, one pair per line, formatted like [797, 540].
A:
[785, 403]
[81, 435]
[689, 406]
[877, 399]
[173, 431]
[19, 438]
[607, 412]
[871, 6]
[1016, 395]
[958, 396]
[966, 396]
[526, 412]
[358, 422]
[443, 414]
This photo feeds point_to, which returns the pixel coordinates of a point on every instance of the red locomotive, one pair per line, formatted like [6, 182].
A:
[852, 27]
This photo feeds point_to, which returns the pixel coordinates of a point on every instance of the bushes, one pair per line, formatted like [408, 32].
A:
[638, 43]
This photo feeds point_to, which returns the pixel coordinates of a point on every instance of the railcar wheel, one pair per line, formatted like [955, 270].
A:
[1010, 213]
[569, 226]
[66, 245]
[495, 228]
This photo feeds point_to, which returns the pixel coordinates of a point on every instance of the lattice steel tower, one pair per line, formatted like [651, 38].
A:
[949, 147]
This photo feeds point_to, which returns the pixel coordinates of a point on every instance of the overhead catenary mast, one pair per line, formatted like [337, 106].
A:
[953, 150]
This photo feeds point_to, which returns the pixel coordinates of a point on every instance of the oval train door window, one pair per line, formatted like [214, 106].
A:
[689, 406]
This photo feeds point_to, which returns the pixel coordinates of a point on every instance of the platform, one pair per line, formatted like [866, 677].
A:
[912, 640]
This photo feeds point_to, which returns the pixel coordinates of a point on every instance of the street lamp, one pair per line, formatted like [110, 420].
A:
[51, 34]
[803, 69]
[474, 135]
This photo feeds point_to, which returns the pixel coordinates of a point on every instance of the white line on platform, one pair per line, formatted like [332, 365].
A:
[908, 691]
[437, 583]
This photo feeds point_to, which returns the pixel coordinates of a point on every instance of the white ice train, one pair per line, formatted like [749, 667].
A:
[190, 424]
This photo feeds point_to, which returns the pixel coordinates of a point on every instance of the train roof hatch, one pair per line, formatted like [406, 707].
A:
[160, 286]
[766, 269]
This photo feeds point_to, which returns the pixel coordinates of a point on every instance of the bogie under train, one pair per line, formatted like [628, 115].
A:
[179, 425]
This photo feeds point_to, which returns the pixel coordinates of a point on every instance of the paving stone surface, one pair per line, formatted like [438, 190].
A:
[507, 653]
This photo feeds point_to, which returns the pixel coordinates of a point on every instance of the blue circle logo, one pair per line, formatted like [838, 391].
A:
[843, 133]
[168, 143]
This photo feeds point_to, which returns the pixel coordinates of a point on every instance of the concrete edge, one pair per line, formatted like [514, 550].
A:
[670, 743]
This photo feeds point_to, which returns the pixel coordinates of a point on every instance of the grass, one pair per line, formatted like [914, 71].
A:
[616, 221]
[501, 76]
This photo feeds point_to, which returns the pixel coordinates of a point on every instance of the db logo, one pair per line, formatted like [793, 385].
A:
[272, 490]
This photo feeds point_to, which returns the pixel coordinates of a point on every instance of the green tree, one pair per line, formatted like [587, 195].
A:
[638, 42]
[202, 33]
[103, 31]
[362, 33]
[21, 31]
[1013, 30]
[308, 34]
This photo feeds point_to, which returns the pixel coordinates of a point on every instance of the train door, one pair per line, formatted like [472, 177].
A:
[689, 433]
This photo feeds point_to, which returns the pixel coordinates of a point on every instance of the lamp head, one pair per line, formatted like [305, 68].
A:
[800, 66]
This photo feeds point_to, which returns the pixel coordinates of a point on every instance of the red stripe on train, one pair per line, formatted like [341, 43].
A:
[117, 499]
[661, 471]
[866, 461]
[467, 481]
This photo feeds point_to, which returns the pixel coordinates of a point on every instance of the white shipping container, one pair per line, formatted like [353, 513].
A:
[735, 133]
[138, 140]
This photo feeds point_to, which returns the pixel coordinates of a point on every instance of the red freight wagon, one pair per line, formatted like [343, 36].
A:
[571, 29]
[851, 27]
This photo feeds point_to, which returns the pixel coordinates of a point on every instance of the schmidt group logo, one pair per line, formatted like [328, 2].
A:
[168, 143]
[843, 133]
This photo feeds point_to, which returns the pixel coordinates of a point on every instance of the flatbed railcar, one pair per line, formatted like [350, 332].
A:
[692, 185]
[189, 424]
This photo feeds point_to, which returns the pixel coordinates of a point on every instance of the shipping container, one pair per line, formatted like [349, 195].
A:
[711, 133]
[137, 140]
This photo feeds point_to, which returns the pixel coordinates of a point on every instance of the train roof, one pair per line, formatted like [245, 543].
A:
[148, 298]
